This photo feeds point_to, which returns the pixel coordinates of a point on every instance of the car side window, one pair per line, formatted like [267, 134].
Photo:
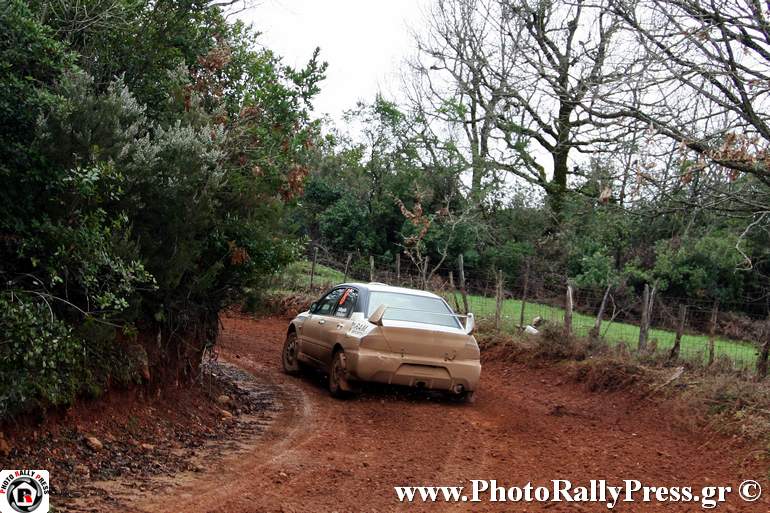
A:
[326, 305]
[346, 303]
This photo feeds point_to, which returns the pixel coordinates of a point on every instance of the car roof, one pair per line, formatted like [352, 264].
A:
[382, 287]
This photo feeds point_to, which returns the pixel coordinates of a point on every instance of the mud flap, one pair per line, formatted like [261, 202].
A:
[343, 382]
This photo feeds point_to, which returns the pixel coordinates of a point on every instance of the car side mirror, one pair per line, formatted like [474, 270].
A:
[376, 317]
[470, 323]
[312, 307]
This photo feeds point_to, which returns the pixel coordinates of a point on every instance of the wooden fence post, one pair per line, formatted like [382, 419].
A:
[645, 321]
[398, 268]
[425, 273]
[371, 268]
[347, 266]
[524, 295]
[712, 331]
[461, 271]
[763, 352]
[453, 290]
[499, 299]
[568, 311]
[674, 354]
[312, 266]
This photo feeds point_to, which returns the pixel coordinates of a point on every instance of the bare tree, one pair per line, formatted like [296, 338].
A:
[415, 244]
[698, 85]
[452, 88]
[514, 77]
[705, 69]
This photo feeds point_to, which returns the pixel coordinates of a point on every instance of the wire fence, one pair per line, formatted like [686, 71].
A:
[709, 333]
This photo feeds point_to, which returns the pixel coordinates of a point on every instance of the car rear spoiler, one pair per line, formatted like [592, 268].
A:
[469, 324]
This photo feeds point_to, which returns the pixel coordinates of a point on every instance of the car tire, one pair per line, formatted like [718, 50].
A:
[338, 383]
[291, 364]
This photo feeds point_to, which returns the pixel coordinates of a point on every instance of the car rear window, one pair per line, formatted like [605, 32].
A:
[413, 308]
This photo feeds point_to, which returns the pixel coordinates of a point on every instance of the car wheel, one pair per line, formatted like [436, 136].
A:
[290, 352]
[338, 381]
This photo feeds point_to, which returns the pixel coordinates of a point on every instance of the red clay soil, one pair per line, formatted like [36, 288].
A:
[142, 434]
[324, 455]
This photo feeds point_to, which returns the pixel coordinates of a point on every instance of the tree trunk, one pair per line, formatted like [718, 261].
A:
[558, 186]
[560, 155]
[476, 181]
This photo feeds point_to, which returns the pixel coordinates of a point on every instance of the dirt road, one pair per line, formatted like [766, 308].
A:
[324, 455]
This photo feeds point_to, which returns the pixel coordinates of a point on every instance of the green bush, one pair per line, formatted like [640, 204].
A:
[39, 357]
[142, 203]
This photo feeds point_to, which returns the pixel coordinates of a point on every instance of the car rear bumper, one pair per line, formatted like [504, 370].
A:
[433, 373]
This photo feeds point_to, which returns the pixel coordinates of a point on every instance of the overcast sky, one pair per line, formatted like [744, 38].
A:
[364, 41]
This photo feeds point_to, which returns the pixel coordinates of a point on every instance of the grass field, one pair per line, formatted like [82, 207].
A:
[296, 276]
[694, 346]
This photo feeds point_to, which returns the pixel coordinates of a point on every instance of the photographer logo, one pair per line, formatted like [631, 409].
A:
[24, 491]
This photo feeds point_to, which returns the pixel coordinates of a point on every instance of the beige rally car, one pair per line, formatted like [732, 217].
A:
[374, 332]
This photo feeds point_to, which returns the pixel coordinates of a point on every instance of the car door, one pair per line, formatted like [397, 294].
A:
[340, 322]
[321, 318]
